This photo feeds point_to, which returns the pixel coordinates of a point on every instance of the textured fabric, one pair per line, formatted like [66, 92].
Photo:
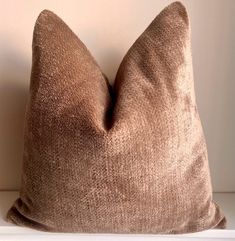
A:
[127, 159]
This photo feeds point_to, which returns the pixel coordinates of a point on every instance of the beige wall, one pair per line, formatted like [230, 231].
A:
[108, 28]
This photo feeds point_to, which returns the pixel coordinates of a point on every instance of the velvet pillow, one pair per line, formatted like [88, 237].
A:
[127, 159]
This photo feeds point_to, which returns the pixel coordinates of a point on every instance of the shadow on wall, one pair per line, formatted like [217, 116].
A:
[109, 64]
[14, 81]
[214, 57]
[108, 55]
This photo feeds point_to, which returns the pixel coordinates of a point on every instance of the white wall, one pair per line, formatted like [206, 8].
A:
[108, 28]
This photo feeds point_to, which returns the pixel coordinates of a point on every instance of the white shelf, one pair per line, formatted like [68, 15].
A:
[10, 232]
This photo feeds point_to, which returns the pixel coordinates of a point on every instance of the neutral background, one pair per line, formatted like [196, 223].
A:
[108, 28]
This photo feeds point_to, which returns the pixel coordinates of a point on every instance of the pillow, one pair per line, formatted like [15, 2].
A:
[127, 159]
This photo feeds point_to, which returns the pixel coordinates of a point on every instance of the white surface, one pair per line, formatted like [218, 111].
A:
[13, 232]
[109, 28]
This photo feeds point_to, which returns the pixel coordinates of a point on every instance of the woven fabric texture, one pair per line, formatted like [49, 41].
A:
[130, 158]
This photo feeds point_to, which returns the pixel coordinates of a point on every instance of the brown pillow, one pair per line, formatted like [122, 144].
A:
[128, 160]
